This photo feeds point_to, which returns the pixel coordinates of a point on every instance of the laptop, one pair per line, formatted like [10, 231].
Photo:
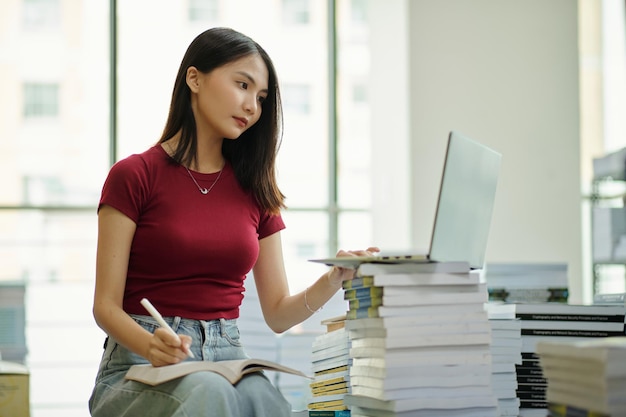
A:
[464, 209]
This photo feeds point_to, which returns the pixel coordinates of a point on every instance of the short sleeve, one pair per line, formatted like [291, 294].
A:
[126, 187]
[270, 224]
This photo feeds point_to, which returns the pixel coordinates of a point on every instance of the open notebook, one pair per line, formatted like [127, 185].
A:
[464, 208]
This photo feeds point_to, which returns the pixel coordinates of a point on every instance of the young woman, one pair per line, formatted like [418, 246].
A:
[182, 224]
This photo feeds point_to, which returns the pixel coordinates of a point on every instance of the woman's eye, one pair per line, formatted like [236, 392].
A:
[262, 99]
[243, 85]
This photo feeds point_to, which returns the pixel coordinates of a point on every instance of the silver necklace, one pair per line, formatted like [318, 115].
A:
[203, 190]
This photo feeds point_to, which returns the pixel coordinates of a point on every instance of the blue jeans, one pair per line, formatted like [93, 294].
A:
[199, 394]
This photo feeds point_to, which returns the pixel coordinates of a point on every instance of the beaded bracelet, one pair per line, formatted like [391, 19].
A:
[306, 303]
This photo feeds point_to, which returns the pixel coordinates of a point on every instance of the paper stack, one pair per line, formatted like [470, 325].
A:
[506, 352]
[330, 363]
[527, 282]
[585, 378]
[420, 341]
[557, 322]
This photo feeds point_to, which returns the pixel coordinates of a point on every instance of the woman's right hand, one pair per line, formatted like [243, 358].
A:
[167, 349]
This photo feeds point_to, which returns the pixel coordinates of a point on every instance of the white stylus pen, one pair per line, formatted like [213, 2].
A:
[157, 316]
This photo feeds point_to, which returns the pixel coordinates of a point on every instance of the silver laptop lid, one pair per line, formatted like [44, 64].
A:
[466, 200]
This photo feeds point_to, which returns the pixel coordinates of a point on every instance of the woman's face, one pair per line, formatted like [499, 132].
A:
[227, 100]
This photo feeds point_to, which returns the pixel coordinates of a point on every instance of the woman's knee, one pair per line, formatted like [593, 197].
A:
[203, 384]
[261, 397]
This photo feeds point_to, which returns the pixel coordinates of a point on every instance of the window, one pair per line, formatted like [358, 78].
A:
[54, 176]
[295, 12]
[359, 93]
[359, 11]
[41, 100]
[296, 98]
[12, 322]
[204, 11]
[40, 14]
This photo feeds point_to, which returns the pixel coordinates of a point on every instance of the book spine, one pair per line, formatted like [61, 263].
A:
[563, 410]
[533, 295]
[570, 333]
[532, 404]
[569, 309]
[362, 313]
[617, 298]
[329, 413]
[599, 318]
[358, 282]
[358, 303]
[363, 293]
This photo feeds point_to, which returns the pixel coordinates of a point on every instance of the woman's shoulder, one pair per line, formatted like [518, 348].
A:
[146, 160]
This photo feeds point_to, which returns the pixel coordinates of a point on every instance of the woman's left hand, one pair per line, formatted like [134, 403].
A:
[338, 274]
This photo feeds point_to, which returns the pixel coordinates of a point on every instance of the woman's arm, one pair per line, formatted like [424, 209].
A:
[115, 235]
[282, 310]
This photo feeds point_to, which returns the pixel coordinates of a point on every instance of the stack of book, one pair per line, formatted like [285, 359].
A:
[616, 298]
[260, 341]
[331, 380]
[557, 322]
[506, 352]
[585, 378]
[527, 282]
[420, 341]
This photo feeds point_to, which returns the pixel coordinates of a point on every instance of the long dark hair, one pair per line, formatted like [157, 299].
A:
[253, 154]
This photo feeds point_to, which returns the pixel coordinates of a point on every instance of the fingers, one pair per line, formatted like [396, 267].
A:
[338, 274]
[186, 343]
[367, 252]
[166, 348]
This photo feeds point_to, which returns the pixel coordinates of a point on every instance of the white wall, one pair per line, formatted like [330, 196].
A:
[390, 124]
[504, 72]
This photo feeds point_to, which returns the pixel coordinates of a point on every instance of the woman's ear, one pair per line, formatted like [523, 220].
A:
[192, 79]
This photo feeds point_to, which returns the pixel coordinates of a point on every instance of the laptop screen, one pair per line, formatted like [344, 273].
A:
[465, 204]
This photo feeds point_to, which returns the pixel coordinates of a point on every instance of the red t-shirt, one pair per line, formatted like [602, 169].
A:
[191, 252]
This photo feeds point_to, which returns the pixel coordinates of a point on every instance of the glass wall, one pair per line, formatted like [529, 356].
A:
[56, 141]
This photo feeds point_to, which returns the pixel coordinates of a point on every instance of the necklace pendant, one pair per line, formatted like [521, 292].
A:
[205, 191]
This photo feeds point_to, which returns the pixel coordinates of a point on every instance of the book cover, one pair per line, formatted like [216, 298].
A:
[363, 292]
[570, 333]
[365, 367]
[362, 313]
[329, 413]
[232, 370]
[417, 310]
[610, 298]
[445, 318]
[330, 379]
[573, 309]
[425, 290]
[358, 282]
[478, 297]
[327, 402]
[563, 410]
[590, 318]
[611, 350]
[334, 323]
[417, 403]
[375, 346]
[358, 303]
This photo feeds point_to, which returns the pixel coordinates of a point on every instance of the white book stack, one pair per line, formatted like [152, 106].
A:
[424, 348]
[587, 376]
[527, 282]
[258, 339]
[506, 352]
[330, 366]
[558, 322]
